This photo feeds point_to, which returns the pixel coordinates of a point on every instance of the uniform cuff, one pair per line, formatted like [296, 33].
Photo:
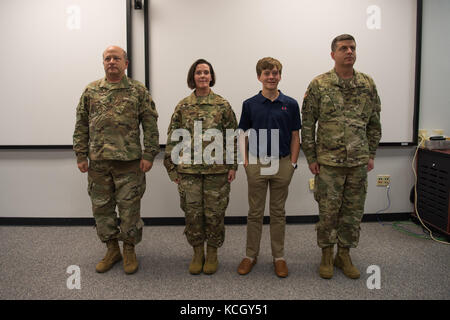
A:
[311, 160]
[81, 157]
[173, 175]
[149, 157]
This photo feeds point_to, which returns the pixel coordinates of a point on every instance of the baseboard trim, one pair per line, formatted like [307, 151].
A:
[179, 221]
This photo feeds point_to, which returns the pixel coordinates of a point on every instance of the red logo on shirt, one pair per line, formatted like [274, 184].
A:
[284, 108]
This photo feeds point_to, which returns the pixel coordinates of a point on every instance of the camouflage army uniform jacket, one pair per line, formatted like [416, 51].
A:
[347, 113]
[213, 112]
[108, 119]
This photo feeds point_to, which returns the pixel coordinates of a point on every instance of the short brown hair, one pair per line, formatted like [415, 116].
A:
[268, 63]
[190, 77]
[342, 37]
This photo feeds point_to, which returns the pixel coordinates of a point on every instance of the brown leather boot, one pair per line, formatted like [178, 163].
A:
[112, 256]
[130, 263]
[211, 262]
[326, 265]
[198, 260]
[344, 262]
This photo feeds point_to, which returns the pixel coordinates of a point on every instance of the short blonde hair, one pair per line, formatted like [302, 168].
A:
[268, 63]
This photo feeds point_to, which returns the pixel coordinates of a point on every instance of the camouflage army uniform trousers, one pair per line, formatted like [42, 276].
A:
[204, 199]
[120, 183]
[340, 193]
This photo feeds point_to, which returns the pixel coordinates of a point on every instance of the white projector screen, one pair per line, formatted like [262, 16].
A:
[51, 49]
[234, 34]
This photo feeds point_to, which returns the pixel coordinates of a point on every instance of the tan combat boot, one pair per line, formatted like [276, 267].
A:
[344, 262]
[198, 260]
[130, 263]
[211, 263]
[112, 256]
[326, 265]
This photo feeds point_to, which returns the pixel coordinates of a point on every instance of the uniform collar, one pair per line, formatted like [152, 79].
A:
[261, 99]
[356, 81]
[209, 99]
[123, 84]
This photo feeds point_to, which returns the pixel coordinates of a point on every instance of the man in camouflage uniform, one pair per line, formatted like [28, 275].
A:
[201, 169]
[345, 105]
[107, 132]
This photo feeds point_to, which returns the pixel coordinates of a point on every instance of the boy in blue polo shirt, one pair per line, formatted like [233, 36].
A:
[272, 122]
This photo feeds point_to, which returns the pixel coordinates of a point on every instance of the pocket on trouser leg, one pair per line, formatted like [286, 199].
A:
[101, 192]
[352, 209]
[107, 227]
[349, 235]
[349, 227]
[131, 234]
[191, 203]
[328, 217]
[216, 199]
[215, 229]
[103, 210]
[326, 234]
[129, 181]
[194, 229]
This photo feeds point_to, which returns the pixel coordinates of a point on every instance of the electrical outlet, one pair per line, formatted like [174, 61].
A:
[383, 180]
[423, 134]
[311, 184]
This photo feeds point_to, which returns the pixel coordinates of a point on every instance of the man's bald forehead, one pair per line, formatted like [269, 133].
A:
[116, 48]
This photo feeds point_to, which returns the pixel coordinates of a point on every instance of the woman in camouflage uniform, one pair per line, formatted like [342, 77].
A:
[201, 171]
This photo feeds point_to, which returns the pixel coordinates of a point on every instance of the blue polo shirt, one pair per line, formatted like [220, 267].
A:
[283, 114]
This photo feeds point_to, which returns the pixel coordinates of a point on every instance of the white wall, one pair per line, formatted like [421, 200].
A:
[48, 184]
[41, 183]
[73, 32]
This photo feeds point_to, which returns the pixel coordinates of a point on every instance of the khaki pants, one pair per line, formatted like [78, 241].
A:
[257, 189]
